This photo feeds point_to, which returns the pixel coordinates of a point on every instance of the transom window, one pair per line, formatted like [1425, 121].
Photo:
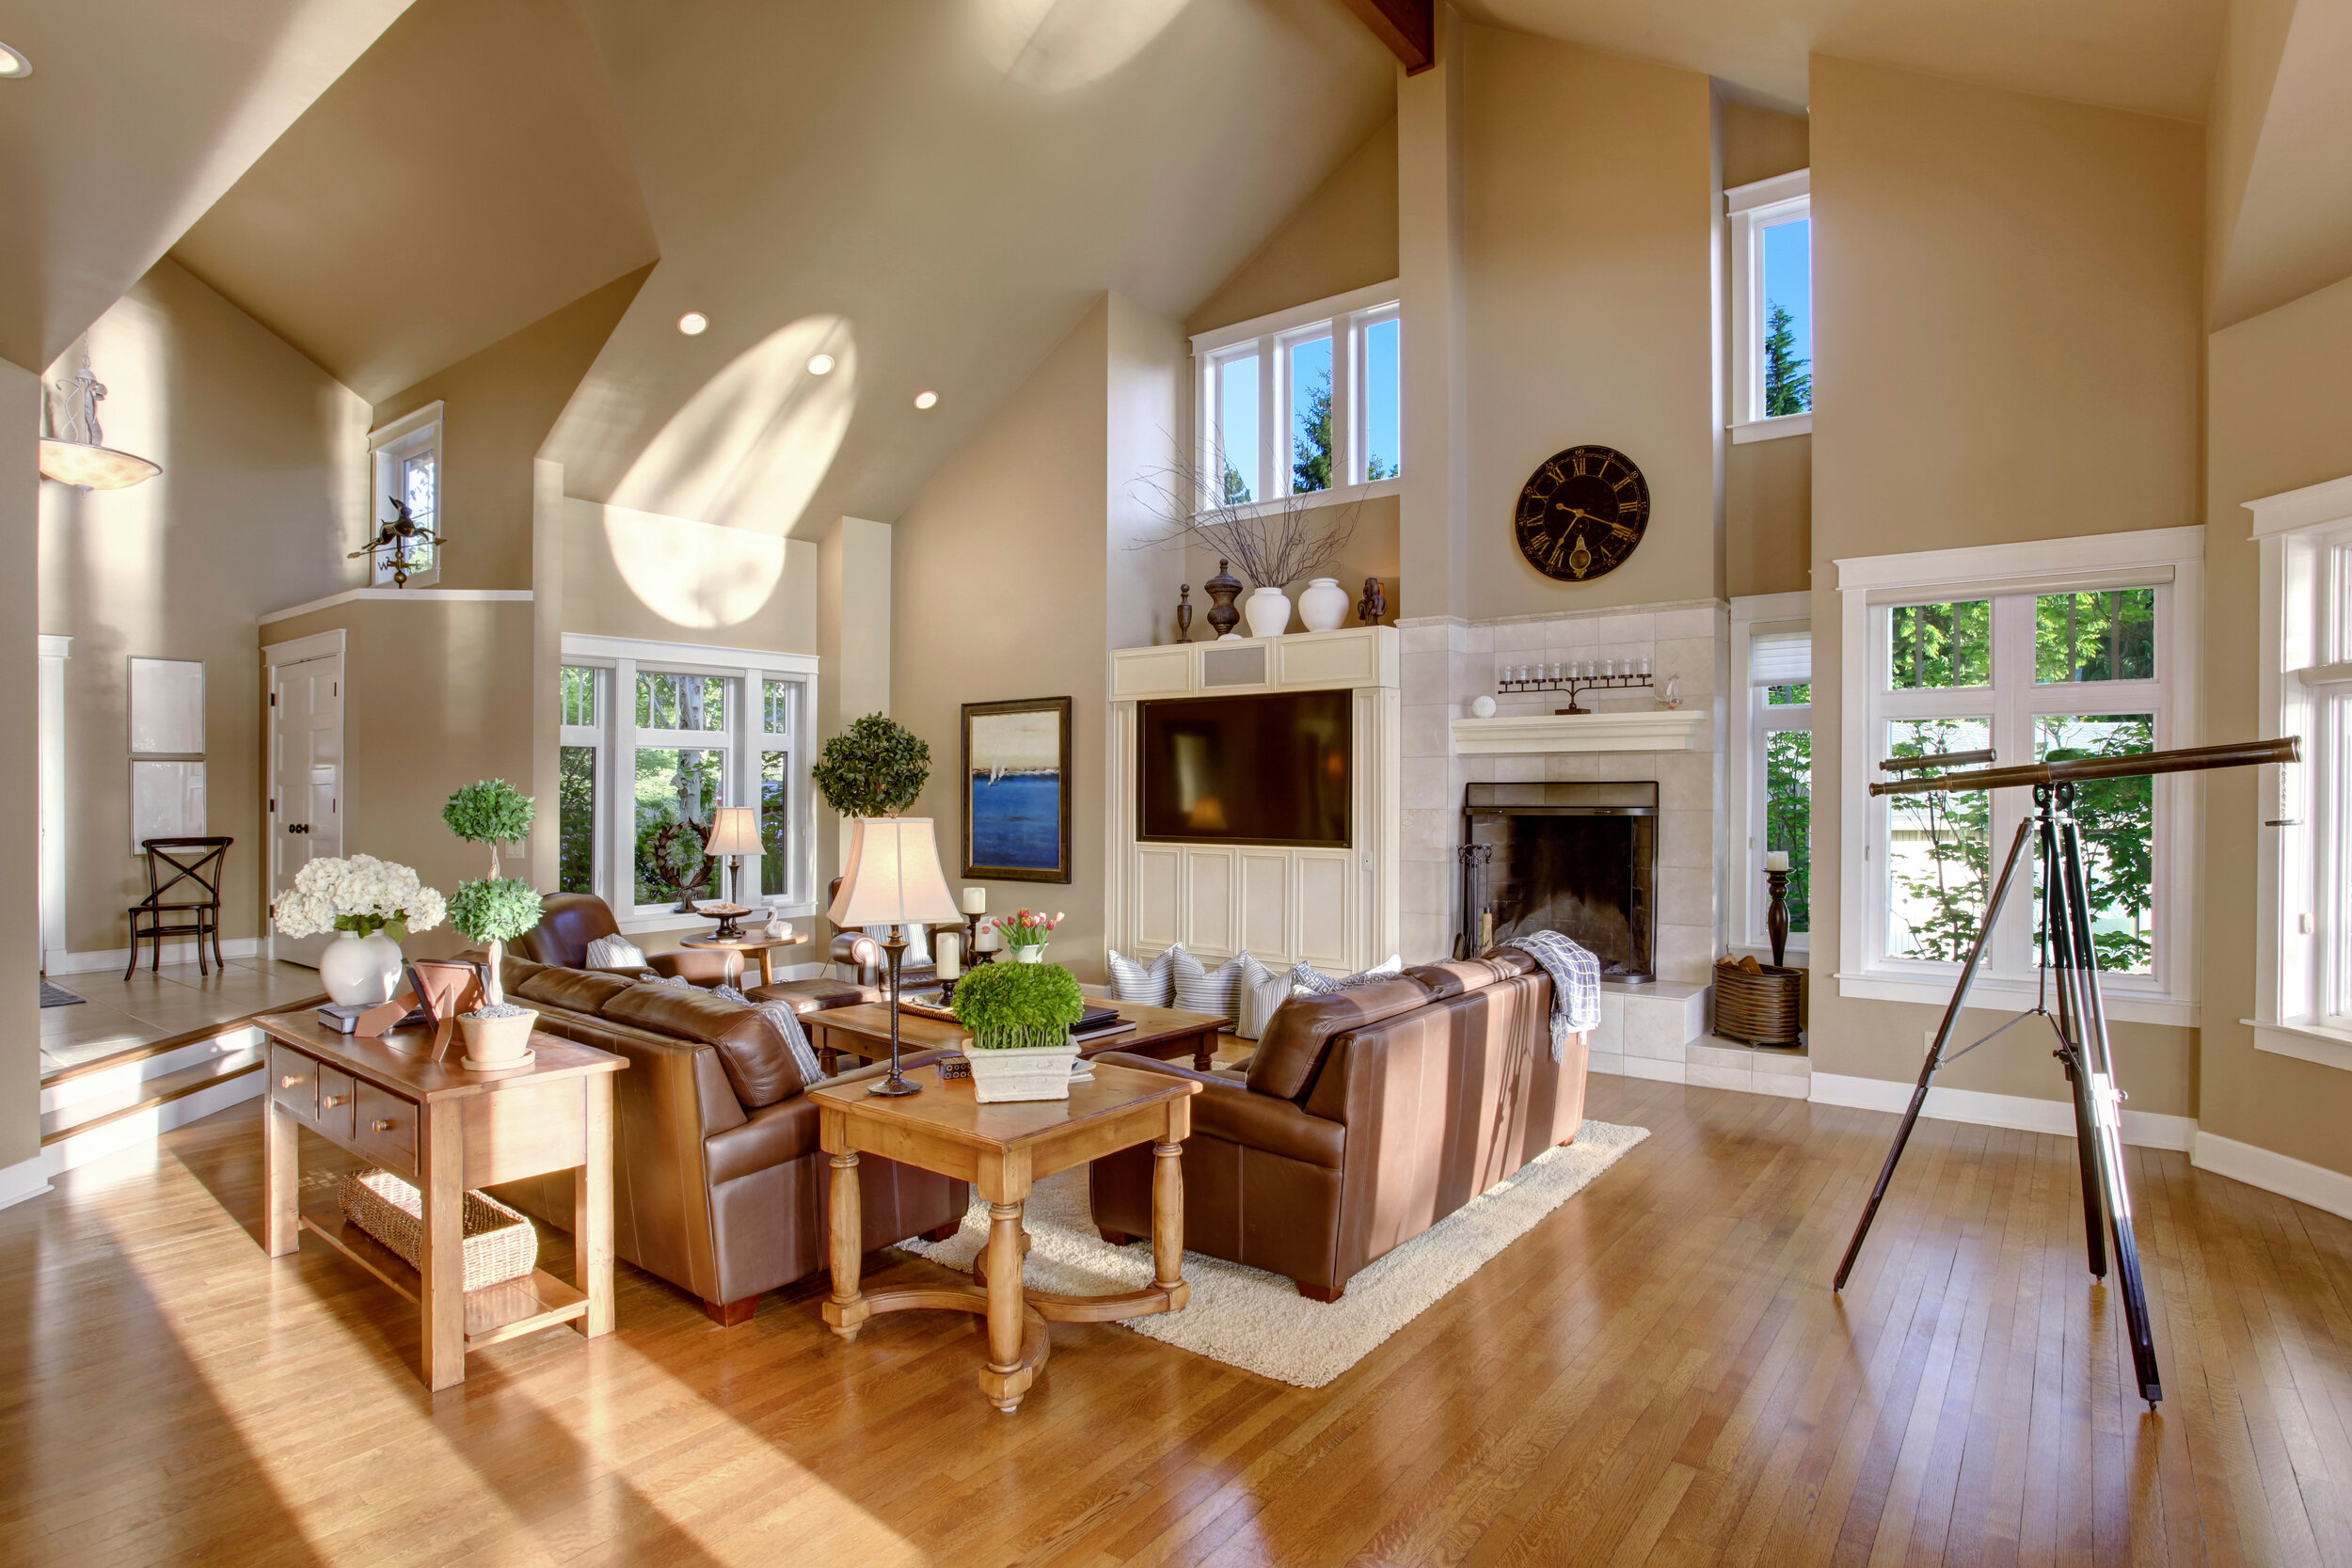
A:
[1771, 307]
[695, 729]
[1302, 401]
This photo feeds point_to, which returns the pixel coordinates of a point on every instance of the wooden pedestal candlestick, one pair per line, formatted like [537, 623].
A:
[1776, 918]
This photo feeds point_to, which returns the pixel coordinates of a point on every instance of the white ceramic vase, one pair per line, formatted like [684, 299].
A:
[1269, 612]
[1323, 604]
[360, 971]
[1021, 1072]
[1033, 954]
[497, 1042]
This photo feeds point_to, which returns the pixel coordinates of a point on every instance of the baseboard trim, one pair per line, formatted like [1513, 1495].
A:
[2299, 1180]
[58, 961]
[23, 1180]
[2142, 1129]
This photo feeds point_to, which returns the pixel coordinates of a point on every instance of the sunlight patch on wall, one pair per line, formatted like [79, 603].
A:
[694, 574]
[1054, 45]
[749, 449]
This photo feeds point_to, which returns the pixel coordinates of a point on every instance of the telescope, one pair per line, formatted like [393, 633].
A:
[2070, 960]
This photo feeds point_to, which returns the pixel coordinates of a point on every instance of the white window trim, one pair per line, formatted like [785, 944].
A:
[418, 431]
[1750, 614]
[1765, 204]
[2171, 557]
[615, 854]
[2297, 532]
[1345, 317]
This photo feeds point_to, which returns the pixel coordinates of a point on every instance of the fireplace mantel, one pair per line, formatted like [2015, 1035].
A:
[1689, 729]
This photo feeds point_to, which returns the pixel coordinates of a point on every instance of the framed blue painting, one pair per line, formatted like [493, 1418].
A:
[1016, 790]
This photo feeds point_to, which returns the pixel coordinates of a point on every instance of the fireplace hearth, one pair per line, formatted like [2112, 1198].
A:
[1580, 858]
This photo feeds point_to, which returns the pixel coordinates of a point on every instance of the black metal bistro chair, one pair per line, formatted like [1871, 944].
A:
[185, 902]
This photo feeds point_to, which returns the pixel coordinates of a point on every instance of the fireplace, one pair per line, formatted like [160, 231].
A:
[1580, 858]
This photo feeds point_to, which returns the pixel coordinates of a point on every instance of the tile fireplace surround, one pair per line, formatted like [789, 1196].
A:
[1651, 1031]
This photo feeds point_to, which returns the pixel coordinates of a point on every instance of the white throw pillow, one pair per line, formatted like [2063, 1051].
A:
[1150, 984]
[1219, 991]
[1261, 998]
[615, 952]
[918, 944]
[1309, 982]
[788, 1023]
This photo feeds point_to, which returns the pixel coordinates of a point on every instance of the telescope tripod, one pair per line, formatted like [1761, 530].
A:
[2081, 1026]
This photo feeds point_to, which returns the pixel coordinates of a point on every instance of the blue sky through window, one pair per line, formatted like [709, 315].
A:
[1238, 421]
[1381, 393]
[1788, 282]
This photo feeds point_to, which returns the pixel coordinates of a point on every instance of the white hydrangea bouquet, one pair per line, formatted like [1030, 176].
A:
[358, 894]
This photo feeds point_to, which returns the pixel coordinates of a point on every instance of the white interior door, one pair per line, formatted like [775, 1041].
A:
[306, 780]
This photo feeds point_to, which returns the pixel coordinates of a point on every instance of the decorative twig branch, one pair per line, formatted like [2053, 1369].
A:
[1275, 542]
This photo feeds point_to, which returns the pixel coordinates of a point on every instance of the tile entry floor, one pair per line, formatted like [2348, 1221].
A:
[117, 1015]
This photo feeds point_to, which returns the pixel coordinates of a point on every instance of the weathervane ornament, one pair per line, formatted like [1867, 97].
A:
[397, 543]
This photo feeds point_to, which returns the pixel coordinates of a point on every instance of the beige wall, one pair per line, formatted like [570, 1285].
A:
[999, 571]
[434, 697]
[1589, 235]
[2008, 336]
[263, 492]
[1768, 486]
[2280, 419]
[500, 406]
[1342, 237]
[1760, 143]
[20, 784]
[638, 574]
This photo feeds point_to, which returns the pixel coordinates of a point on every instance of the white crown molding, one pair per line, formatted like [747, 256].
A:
[2021, 1113]
[2322, 1188]
[403, 595]
[57, 647]
[2315, 504]
[2109, 559]
[1769, 193]
[407, 424]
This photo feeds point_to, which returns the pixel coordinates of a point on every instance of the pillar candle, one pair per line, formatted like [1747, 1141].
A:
[1776, 860]
[976, 900]
[947, 952]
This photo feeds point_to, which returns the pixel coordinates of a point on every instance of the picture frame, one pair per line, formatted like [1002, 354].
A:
[166, 706]
[166, 800]
[1015, 790]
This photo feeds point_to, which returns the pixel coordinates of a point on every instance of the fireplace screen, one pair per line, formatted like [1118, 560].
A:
[1580, 858]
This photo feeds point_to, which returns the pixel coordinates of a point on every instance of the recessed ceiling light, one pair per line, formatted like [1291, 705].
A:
[820, 365]
[925, 400]
[13, 63]
[693, 323]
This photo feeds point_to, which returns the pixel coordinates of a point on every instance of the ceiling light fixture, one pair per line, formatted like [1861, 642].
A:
[926, 400]
[78, 454]
[820, 365]
[13, 63]
[693, 323]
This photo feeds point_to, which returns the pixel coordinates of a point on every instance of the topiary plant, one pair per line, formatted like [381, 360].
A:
[494, 910]
[1009, 1005]
[872, 769]
[493, 812]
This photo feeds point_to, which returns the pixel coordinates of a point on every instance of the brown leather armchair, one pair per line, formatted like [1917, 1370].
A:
[1363, 1119]
[864, 953]
[568, 921]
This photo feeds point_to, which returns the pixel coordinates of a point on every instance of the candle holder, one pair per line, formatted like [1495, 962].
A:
[1572, 677]
[1776, 918]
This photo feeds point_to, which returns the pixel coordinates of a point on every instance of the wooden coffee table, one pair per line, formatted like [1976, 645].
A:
[864, 1030]
[762, 946]
[1003, 1149]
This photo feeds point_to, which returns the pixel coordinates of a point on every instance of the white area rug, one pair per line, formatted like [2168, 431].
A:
[1258, 1320]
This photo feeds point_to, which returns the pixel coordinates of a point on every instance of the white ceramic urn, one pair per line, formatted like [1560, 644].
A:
[1269, 612]
[1323, 604]
[360, 971]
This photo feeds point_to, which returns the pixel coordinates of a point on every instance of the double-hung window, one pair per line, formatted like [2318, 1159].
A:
[1771, 307]
[2074, 648]
[1301, 402]
[1772, 789]
[2303, 1003]
[653, 739]
[406, 456]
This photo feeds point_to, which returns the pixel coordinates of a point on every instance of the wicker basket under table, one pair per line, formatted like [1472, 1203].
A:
[1760, 1009]
[500, 1245]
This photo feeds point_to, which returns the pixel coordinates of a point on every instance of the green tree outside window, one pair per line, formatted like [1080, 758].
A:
[1788, 385]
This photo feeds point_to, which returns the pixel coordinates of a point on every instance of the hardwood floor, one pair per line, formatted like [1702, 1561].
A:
[1658, 1373]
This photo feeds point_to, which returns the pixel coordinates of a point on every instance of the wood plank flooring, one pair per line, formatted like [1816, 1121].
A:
[1658, 1375]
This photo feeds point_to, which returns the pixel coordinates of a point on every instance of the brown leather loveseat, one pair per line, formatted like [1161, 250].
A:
[719, 1186]
[1364, 1118]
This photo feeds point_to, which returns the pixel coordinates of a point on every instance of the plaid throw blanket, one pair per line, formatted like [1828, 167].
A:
[1575, 983]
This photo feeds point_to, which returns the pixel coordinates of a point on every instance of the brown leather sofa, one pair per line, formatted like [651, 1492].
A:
[719, 1186]
[1363, 1119]
[568, 921]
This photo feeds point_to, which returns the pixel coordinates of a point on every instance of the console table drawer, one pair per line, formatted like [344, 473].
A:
[293, 1082]
[337, 1090]
[384, 1129]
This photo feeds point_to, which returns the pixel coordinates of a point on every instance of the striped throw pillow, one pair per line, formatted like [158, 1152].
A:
[615, 952]
[1261, 998]
[1136, 982]
[1200, 990]
[1308, 982]
[788, 1023]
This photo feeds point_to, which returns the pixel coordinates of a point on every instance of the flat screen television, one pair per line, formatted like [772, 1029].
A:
[1268, 770]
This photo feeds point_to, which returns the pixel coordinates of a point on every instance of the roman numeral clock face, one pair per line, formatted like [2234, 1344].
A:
[1581, 513]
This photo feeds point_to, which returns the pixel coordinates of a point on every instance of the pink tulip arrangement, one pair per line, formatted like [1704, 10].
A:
[1028, 927]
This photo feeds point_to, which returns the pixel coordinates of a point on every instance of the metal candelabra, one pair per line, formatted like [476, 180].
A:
[1571, 677]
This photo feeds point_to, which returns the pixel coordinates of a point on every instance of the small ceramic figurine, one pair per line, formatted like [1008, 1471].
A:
[1374, 605]
[1183, 612]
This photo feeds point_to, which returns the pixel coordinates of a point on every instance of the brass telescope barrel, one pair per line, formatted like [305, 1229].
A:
[2186, 759]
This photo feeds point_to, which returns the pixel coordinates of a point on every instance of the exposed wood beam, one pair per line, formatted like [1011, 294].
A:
[1409, 27]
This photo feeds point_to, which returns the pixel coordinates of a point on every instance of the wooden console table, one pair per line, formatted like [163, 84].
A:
[446, 1130]
[1169, 1034]
[1003, 1149]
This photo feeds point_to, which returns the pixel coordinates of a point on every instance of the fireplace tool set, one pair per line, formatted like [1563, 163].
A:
[2070, 961]
[1474, 859]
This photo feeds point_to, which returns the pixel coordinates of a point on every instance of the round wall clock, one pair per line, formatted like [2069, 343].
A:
[1581, 513]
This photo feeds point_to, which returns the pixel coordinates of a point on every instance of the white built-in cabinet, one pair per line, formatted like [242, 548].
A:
[1335, 909]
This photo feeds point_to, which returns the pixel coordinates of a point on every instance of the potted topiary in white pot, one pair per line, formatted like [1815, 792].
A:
[494, 911]
[1019, 1017]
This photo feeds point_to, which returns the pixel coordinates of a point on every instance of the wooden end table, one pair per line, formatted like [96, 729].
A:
[759, 945]
[863, 1031]
[1003, 1149]
[446, 1129]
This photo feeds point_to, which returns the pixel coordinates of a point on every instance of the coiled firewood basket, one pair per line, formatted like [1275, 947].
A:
[1760, 1008]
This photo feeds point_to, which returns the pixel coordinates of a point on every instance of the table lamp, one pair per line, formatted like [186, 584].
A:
[893, 879]
[734, 832]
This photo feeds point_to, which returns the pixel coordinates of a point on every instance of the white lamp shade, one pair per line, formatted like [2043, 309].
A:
[892, 876]
[734, 831]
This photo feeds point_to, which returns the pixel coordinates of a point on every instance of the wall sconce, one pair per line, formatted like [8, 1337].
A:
[79, 455]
